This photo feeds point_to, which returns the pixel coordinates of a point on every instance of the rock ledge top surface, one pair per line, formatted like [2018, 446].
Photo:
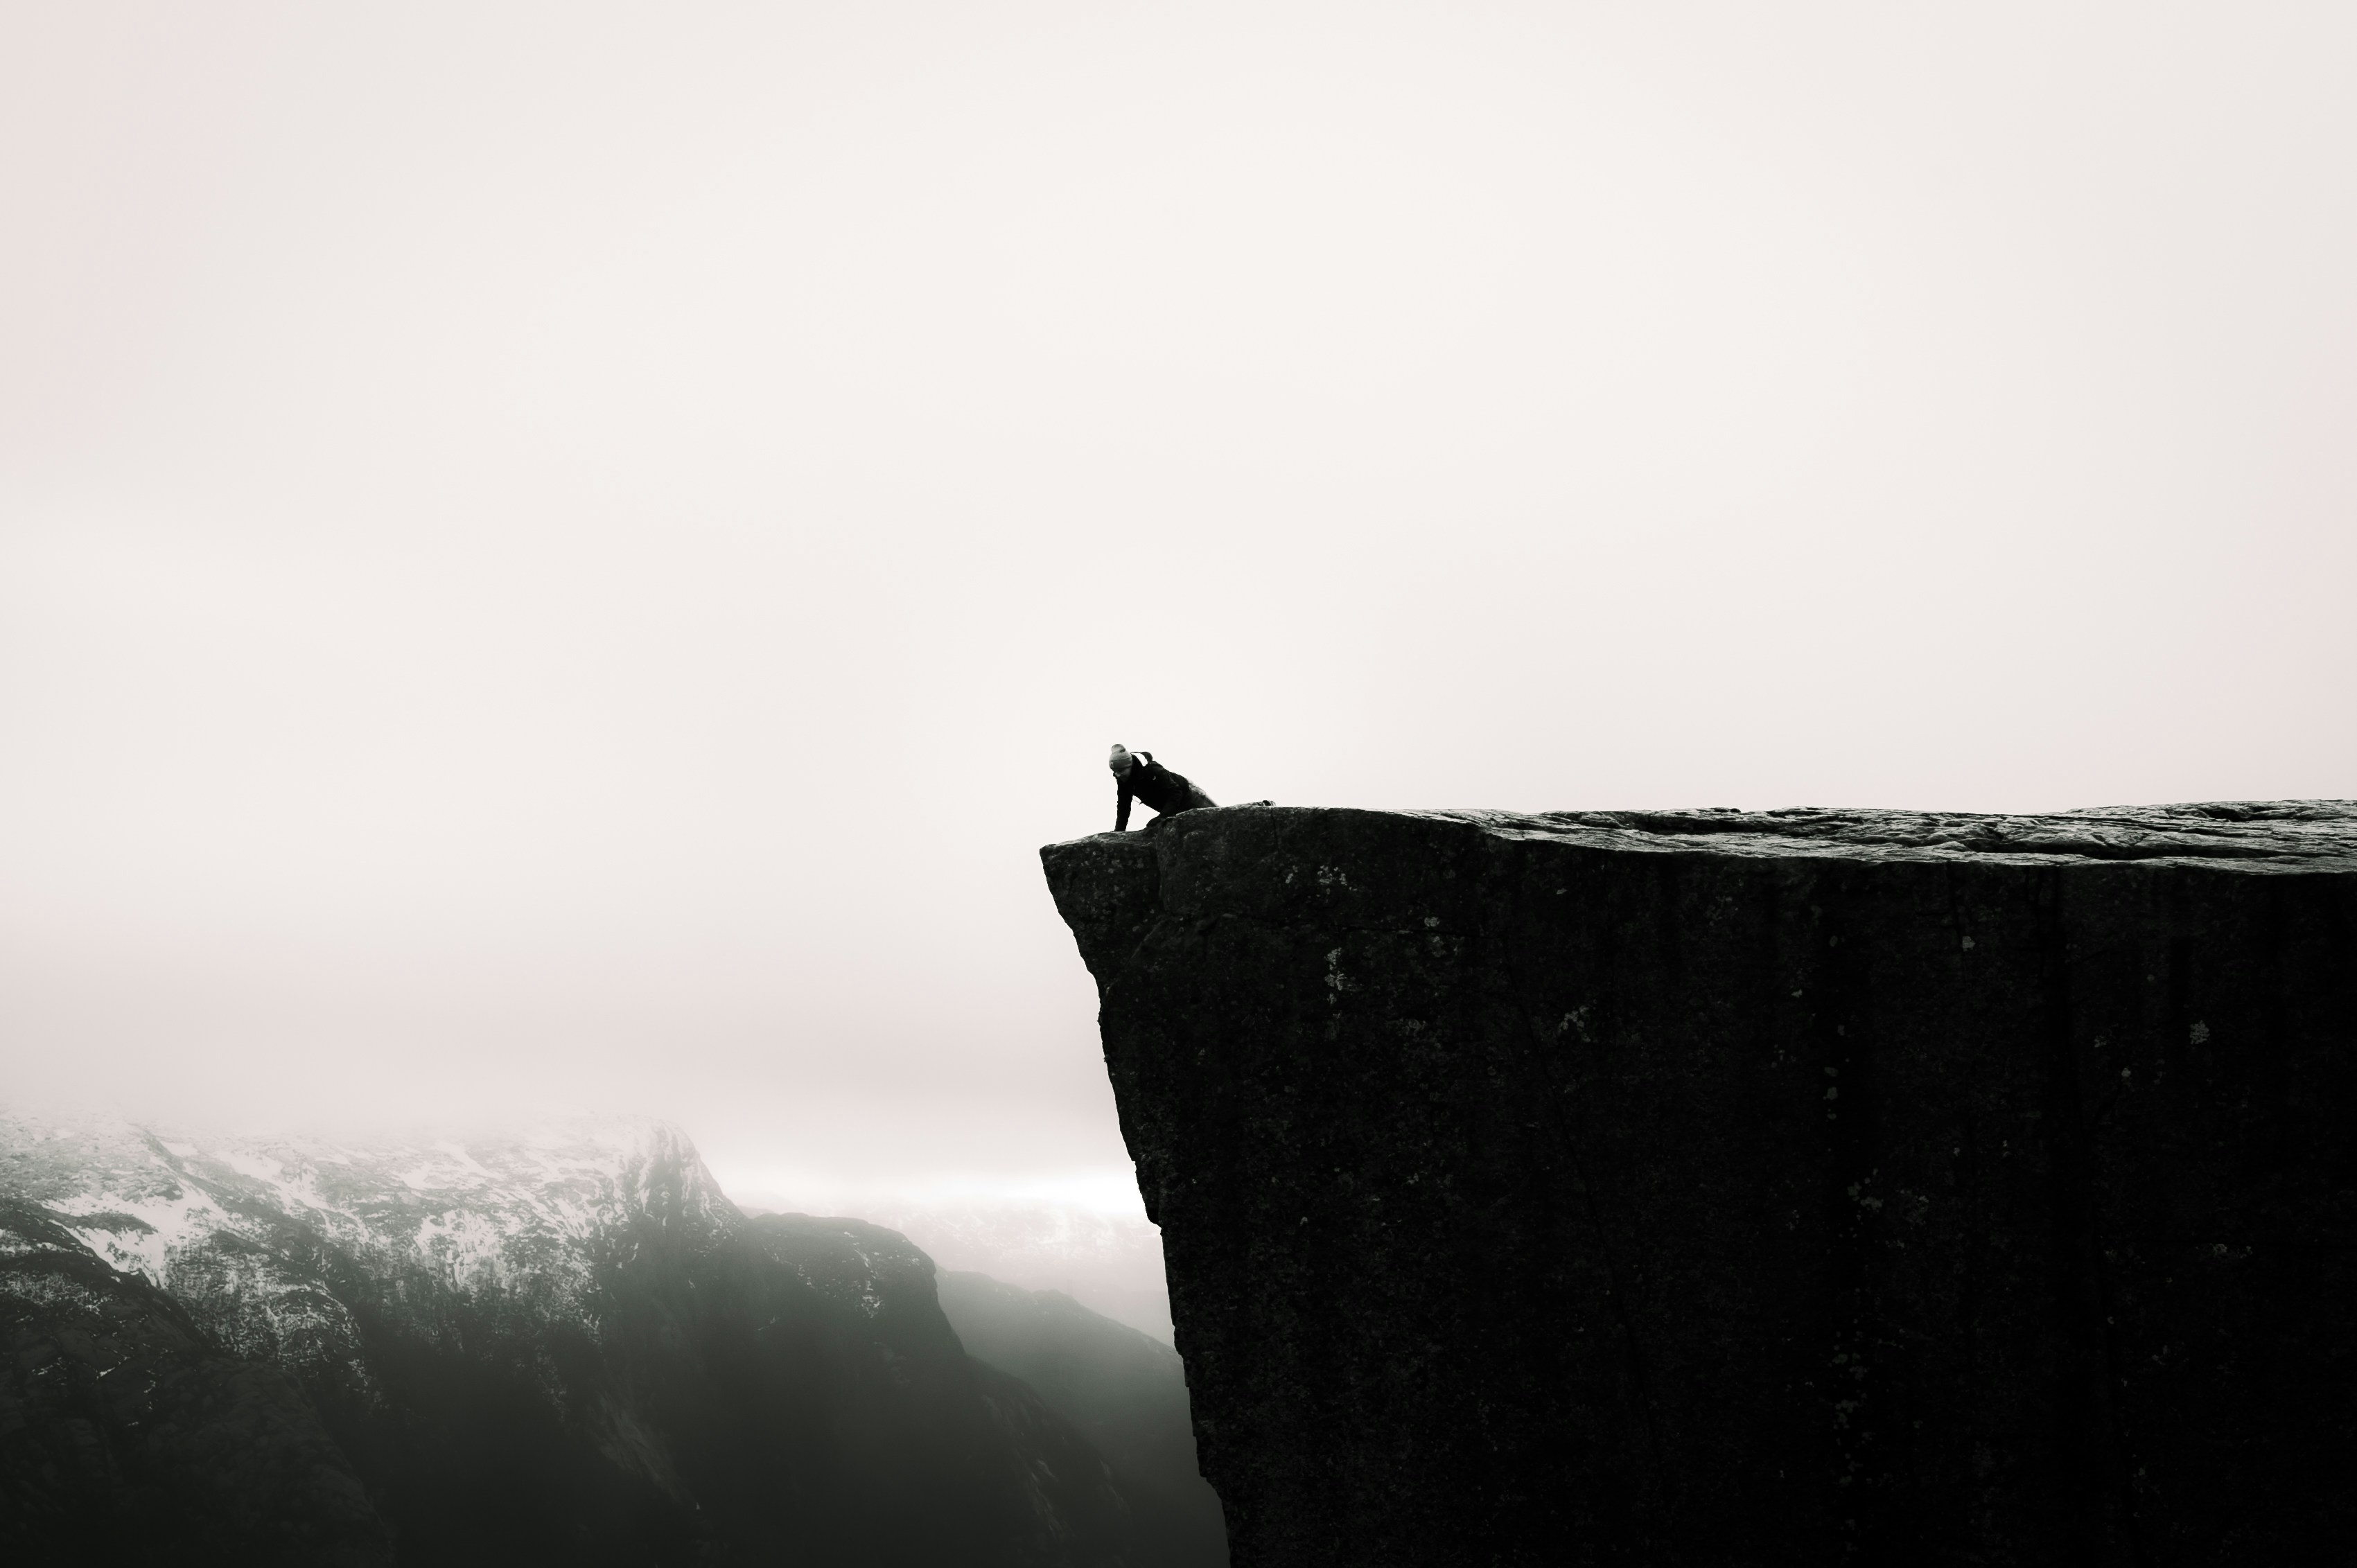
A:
[2287, 834]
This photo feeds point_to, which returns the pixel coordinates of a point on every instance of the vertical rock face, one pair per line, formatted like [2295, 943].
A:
[1761, 1188]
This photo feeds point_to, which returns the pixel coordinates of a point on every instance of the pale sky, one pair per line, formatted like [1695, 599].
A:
[567, 556]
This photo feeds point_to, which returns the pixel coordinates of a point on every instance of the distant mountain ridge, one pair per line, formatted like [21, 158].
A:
[1125, 1391]
[1112, 1262]
[569, 1348]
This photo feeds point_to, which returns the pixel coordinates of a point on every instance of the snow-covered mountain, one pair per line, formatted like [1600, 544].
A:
[232, 1226]
[562, 1347]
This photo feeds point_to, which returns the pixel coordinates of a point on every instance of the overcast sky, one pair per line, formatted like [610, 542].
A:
[567, 555]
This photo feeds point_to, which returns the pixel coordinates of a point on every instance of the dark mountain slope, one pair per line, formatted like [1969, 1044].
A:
[800, 1383]
[1124, 1390]
[126, 1437]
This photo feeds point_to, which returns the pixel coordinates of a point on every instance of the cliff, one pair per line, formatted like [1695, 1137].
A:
[1716, 1187]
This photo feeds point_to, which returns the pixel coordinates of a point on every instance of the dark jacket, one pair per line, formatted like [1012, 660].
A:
[1149, 781]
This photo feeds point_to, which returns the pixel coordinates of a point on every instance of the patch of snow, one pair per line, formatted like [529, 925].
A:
[173, 1217]
[260, 1168]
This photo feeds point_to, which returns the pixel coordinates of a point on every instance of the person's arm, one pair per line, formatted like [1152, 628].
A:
[1120, 812]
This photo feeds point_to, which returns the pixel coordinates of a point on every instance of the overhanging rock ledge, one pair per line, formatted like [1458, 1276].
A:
[1725, 1188]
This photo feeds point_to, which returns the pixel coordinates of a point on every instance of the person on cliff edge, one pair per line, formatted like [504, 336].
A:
[1139, 777]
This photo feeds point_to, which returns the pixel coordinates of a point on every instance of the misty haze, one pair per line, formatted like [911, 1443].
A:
[559, 565]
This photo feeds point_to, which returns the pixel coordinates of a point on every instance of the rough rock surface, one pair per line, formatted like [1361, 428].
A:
[1714, 1187]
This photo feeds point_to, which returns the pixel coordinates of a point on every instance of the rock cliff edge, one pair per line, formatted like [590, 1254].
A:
[1750, 1187]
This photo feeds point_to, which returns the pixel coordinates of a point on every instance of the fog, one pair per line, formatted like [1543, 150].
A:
[566, 557]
